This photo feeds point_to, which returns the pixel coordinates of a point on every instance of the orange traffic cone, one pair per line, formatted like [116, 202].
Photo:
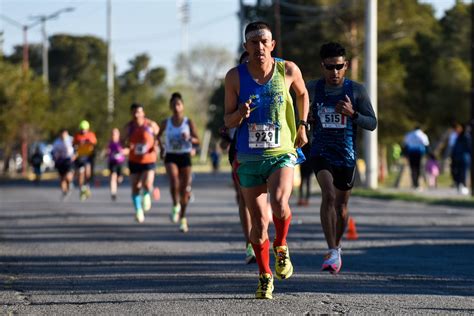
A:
[156, 194]
[351, 233]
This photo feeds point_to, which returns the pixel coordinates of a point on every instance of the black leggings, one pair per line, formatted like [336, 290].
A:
[415, 165]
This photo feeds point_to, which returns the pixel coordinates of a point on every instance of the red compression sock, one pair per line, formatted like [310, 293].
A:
[282, 225]
[263, 256]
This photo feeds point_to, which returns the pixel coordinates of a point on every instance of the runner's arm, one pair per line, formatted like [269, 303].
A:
[124, 139]
[366, 116]
[194, 135]
[158, 138]
[302, 100]
[233, 113]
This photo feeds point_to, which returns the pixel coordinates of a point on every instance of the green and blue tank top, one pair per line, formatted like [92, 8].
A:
[270, 130]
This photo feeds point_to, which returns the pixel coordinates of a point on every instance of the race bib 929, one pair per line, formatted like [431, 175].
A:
[263, 136]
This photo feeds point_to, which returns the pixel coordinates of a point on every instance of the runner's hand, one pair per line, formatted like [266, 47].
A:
[244, 109]
[301, 137]
[345, 106]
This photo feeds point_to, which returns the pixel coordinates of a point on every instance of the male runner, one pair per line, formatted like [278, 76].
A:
[140, 138]
[258, 102]
[339, 106]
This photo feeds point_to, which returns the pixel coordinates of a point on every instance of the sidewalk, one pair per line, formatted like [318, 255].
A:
[438, 193]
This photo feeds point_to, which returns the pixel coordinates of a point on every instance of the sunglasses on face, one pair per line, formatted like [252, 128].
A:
[332, 66]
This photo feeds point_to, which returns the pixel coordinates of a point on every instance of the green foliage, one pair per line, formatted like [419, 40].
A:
[423, 71]
[77, 90]
[23, 106]
[423, 63]
[142, 85]
[216, 111]
[203, 70]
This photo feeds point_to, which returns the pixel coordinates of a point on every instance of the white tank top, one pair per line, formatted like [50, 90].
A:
[178, 138]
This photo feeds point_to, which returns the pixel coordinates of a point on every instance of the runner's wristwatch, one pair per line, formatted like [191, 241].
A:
[304, 123]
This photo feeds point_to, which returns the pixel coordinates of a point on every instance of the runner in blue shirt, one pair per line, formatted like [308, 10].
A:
[338, 106]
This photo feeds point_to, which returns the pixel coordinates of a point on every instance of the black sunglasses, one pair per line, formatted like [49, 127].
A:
[332, 67]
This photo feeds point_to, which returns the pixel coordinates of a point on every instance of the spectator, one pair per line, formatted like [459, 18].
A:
[415, 146]
[36, 161]
[432, 171]
[461, 159]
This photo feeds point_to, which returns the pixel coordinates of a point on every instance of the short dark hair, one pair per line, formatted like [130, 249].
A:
[176, 95]
[244, 55]
[332, 49]
[257, 25]
[135, 106]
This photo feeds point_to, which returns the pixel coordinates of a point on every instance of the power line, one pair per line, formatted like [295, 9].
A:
[305, 8]
[172, 33]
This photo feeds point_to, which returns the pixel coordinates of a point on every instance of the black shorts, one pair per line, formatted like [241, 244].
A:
[233, 151]
[115, 167]
[82, 162]
[63, 166]
[343, 177]
[181, 160]
[140, 167]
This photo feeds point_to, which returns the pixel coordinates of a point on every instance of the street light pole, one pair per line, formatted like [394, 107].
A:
[370, 138]
[42, 19]
[110, 65]
[26, 58]
[25, 67]
[44, 51]
[24, 28]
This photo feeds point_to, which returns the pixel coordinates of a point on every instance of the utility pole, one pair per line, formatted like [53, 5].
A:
[26, 54]
[110, 65]
[44, 54]
[241, 25]
[183, 16]
[24, 28]
[1, 34]
[42, 19]
[278, 29]
[1, 44]
[370, 138]
[25, 67]
[472, 98]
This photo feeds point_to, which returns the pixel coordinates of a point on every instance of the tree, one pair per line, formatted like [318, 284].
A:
[216, 111]
[23, 107]
[143, 85]
[204, 69]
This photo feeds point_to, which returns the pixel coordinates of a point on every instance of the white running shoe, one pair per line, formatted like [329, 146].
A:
[332, 261]
[463, 190]
[146, 202]
[174, 216]
[139, 216]
[250, 254]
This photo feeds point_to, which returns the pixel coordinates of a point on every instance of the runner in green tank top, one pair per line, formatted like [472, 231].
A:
[266, 138]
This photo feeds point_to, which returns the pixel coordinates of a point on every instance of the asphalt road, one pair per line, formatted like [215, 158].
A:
[92, 258]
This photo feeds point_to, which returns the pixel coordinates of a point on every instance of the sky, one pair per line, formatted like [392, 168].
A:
[138, 26]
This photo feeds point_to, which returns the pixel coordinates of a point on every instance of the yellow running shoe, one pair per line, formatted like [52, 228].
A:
[283, 266]
[146, 202]
[84, 194]
[265, 287]
[183, 226]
